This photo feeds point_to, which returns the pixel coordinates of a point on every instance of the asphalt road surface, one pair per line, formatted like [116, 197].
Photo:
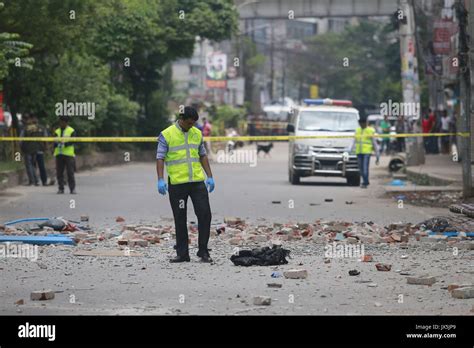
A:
[150, 285]
[244, 191]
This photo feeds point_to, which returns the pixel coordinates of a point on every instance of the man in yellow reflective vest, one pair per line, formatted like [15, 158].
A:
[181, 148]
[64, 154]
[365, 143]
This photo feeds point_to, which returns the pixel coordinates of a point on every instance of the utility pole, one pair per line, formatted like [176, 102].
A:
[465, 53]
[409, 74]
[272, 73]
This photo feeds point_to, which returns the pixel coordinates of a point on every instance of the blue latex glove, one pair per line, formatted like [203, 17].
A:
[210, 184]
[162, 187]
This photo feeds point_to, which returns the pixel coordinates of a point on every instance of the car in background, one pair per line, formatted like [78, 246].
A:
[323, 156]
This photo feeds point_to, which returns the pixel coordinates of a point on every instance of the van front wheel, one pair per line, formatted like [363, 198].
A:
[294, 178]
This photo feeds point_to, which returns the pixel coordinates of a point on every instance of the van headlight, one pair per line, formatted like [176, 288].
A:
[301, 148]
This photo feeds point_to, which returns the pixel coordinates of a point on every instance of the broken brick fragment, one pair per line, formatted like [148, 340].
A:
[383, 267]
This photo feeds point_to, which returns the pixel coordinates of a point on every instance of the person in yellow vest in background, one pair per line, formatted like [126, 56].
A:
[181, 148]
[64, 154]
[365, 144]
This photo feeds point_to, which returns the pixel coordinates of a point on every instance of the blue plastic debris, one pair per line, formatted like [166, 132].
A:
[450, 234]
[276, 275]
[397, 182]
[339, 236]
[39, 240]
[25, 220]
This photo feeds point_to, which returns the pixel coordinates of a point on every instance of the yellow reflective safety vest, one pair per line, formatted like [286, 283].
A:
[61, 149]
[363, 139]
[182, 159]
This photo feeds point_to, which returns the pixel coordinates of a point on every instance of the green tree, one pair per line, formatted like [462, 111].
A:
[13, 52]
[362, 64]
[148, 35]
[114, 53]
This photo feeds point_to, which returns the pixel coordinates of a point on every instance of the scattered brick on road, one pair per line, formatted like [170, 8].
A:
[296, 274]
[423, 280]
[42, 295]
[463, 293]
[262, 300]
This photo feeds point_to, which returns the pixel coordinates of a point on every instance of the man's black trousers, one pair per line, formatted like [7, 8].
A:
[65, 162]
[179, 201]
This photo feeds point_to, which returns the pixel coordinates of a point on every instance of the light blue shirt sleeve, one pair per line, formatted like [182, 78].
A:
[162, 148]
[202, 149]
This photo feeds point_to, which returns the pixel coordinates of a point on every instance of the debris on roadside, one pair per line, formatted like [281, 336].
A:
[436, 199]
[354, 272]
[423, 280]
[274, 285]
[38, 240]
[436, 224]
[463, 293]
[42, 295]
[262, 300]
[451, 287]
[106, 253]
[296, 274]
[383, 267]
[276, 275]
[439, 233]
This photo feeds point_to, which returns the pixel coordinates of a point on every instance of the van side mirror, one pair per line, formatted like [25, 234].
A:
[290, 128]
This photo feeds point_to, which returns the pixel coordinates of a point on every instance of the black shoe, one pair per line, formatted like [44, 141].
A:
[73, 192]
[37, 184]
[60, 192]
[205, 257]
[180, 259]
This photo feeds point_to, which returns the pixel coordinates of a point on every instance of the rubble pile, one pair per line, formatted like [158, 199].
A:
[237, 232]
[429, 199]
[348, 232]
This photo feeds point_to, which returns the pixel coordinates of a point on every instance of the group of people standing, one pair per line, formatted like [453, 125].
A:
[443, 124]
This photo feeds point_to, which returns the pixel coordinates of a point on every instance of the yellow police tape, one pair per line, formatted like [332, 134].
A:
[226, 138]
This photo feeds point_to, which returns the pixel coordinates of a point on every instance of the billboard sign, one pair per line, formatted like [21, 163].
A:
[216, 70]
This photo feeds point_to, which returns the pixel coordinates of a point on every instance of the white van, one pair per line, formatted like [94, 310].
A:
[323, 156]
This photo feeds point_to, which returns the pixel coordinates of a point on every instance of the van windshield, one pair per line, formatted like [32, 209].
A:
[329, 121]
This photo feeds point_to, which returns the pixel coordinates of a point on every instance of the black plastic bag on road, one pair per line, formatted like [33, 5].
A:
[261, 257]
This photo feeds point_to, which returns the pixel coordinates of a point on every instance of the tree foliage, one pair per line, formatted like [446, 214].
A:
[13, 51]
[114, 53]
[362, 64]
